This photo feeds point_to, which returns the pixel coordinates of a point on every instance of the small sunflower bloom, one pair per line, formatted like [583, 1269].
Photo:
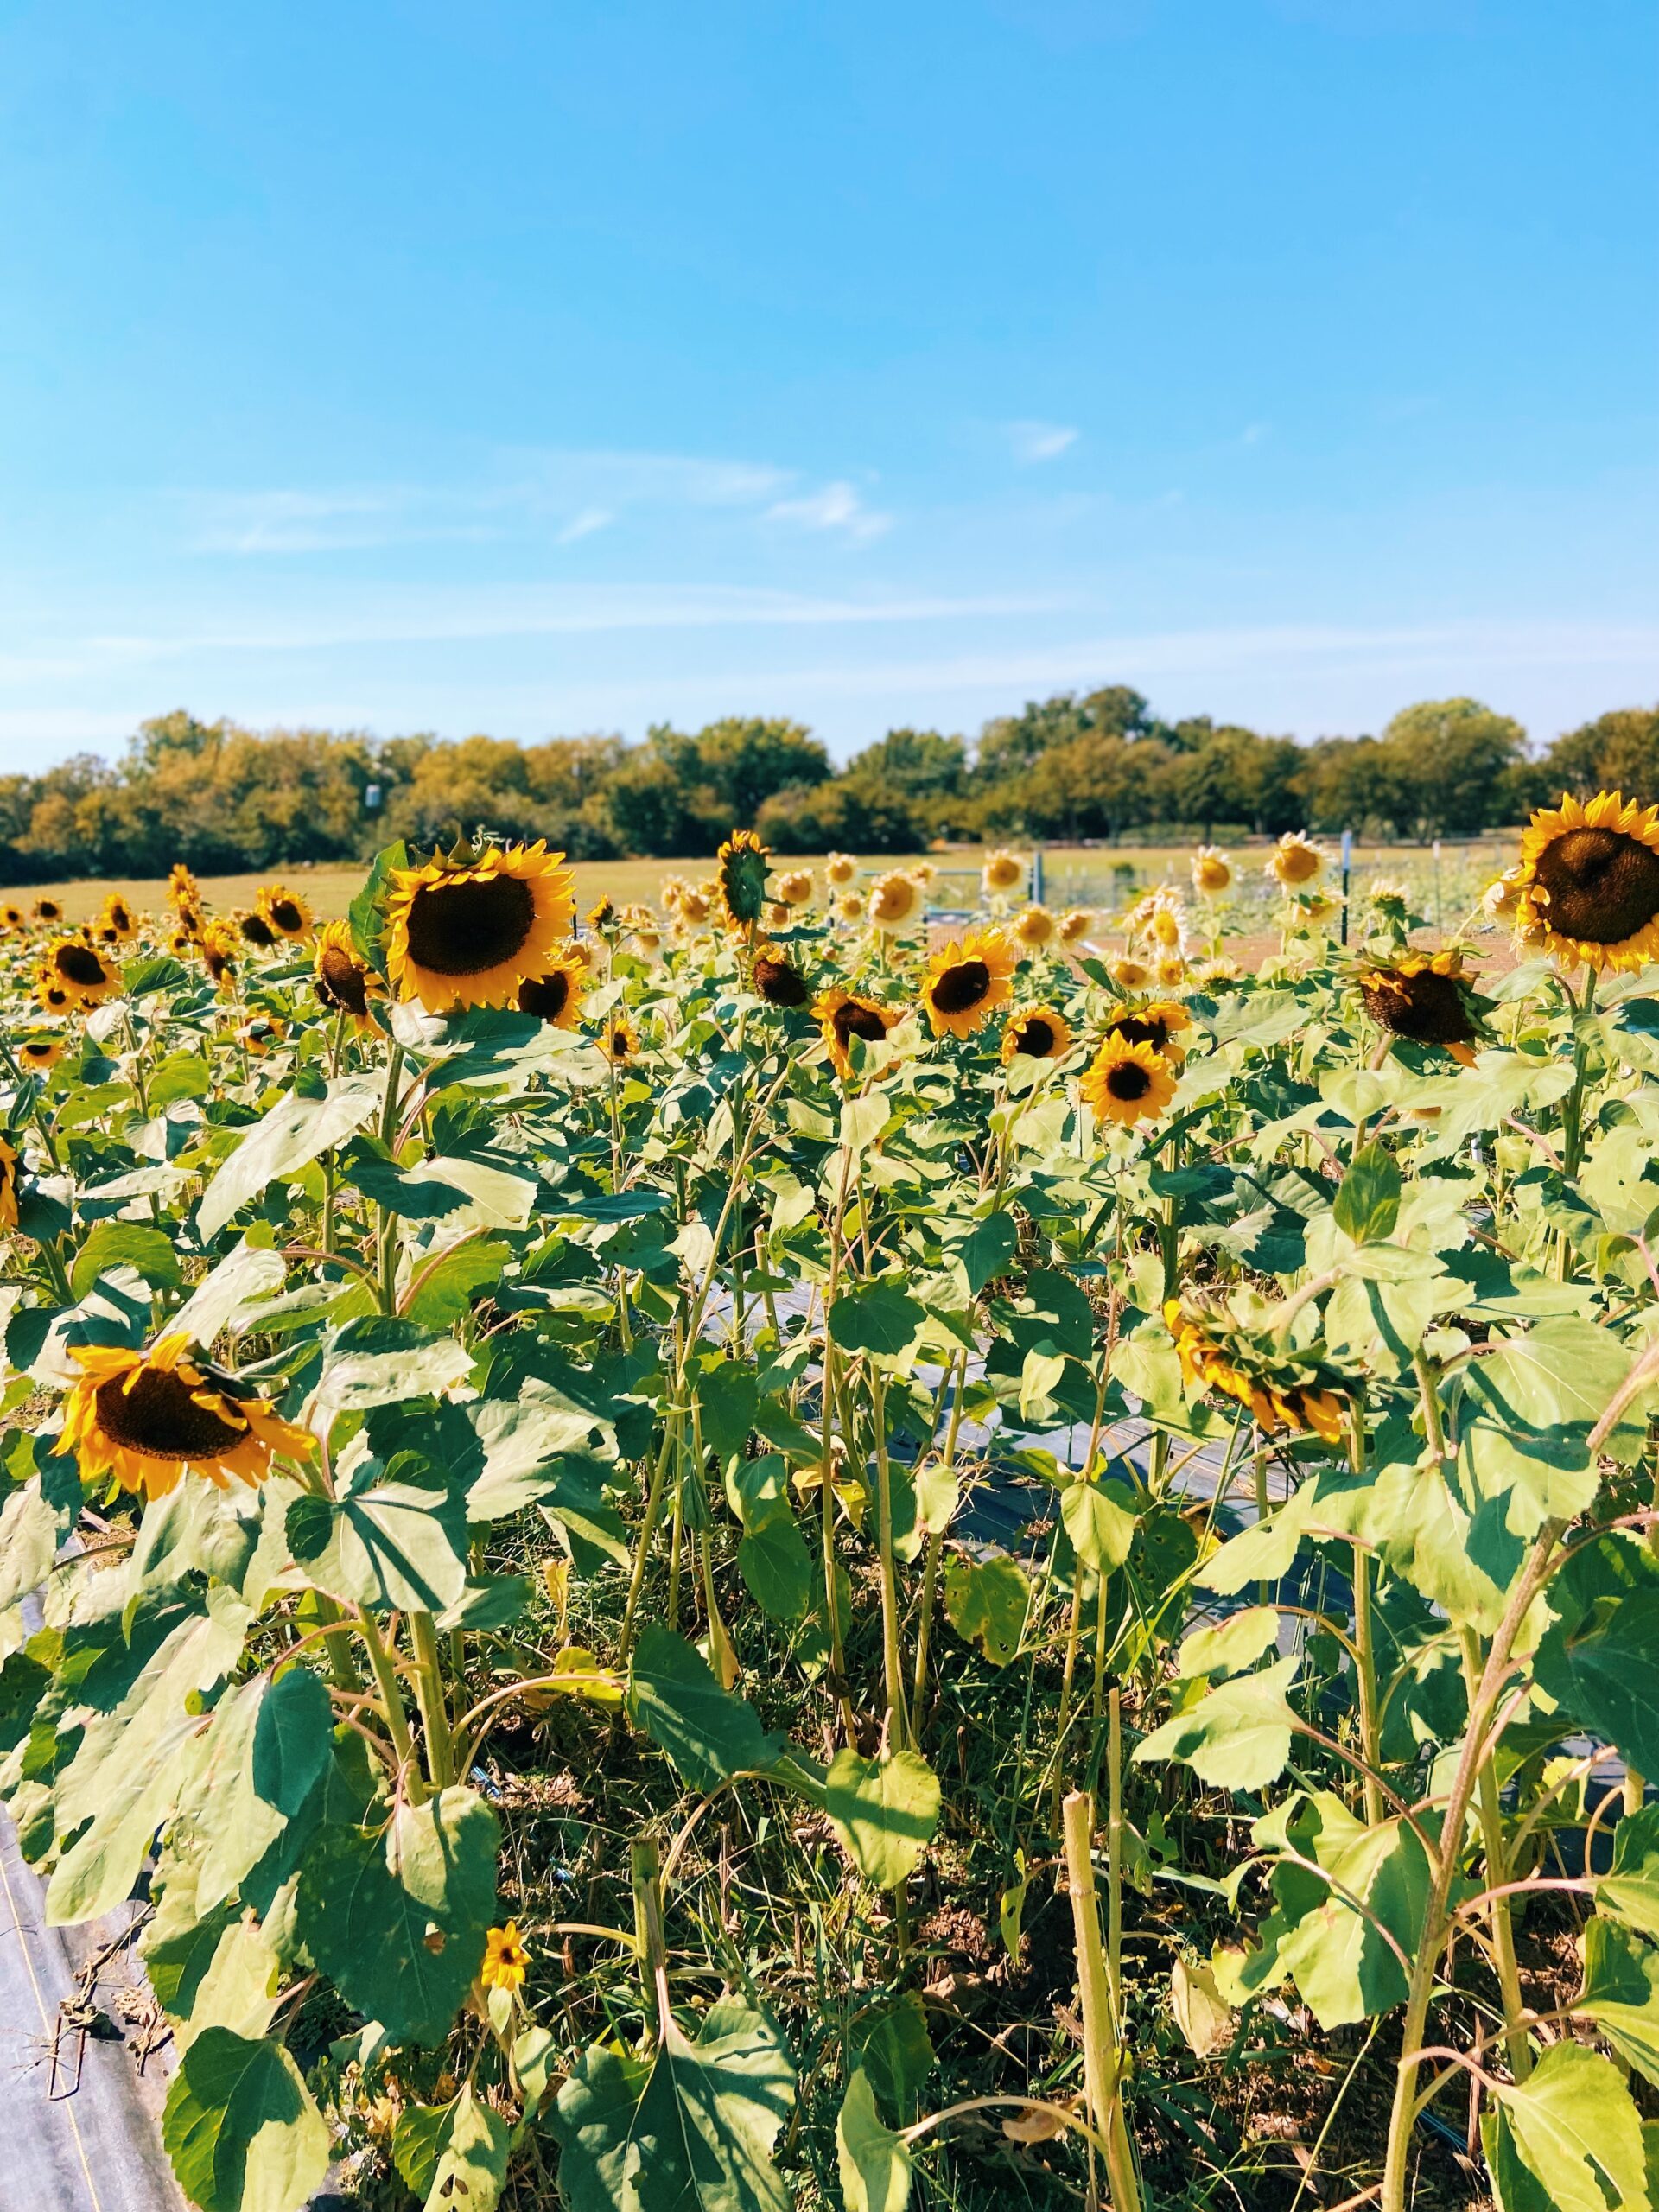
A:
[1588, 882]
[849, 908]
[965, 983]
[779, 980]
[894, 900]
[555, 996]
[467, 932]
[182, 889]
[81, 971]
[1033, 928]
[1172, 971]
[840, 869]
[1295, 861]
[1213, 871]
[1035, 1032]
[7, 1185]
[695, 905]
[220, 952]
[506, 1960]
[260, 1036]
[1128, 1082]
[793, 887]
[284, 911]
[1003, 870]
[256, 929]
[1074, 925]
[343, 984]
[843, 1015]
[39, 1052]
[144, 1417]
[117, 915]
[1130, 974]
[11, 917]
[620, 1041]
[48, 910]
[1160, 1023]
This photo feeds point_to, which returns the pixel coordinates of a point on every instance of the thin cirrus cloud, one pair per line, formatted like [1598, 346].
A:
[837, 507]
[1033, 441]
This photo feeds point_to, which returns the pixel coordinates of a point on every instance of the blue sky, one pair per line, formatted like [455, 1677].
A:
[545, 368]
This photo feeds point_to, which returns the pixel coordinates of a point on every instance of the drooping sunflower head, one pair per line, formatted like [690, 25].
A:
[48, 910]
[1213, 871]
[1500, 899]
[1426, 998]
[39, 1052]
[468, 932]
[1003, 870]
[793, 887]
[965, 983]
[342, 983]
[840, 869]
[1035, 1032]
[81, 969]
[1128, 1082]
[1074, 925]
[779, 980]
[221, 949]
[1161, 1023]
[1130, 974]
[256, 929]
[1295, 860]
[1390, 900]
[670, 893]
[697, 904]
[741, 870]
[1033, 928]
[601, 915]
[894, 900]
[260, 1036]
[287, 914]
[144, 1417]
[116, 915]
[555, 996]
[1293, 1392]
[182, 889]
[620, 1041]
[843, 1016]
[506, 1960]
[1588, 882]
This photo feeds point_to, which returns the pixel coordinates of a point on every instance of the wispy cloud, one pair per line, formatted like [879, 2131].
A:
[585, 524]
[1032, 442]
[836, 507]
[1253, 434]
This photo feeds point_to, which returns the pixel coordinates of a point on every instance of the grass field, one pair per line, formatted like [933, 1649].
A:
[1106, 878]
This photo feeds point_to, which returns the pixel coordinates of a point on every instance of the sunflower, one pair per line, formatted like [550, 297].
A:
[1002, 870]
[620, 1041]
[52, 993]
[182, 889]
[40, 1052]
[47, 910]
[1130, 974]
[849, 907]
[1160, 1023]
[1295, 860]
[1282, 1390]
[601, 915]
[506, 1962]
[1390, 900]
[144, 1417]
[1589, 880]
[190, 921]
[894, 900]
[740, 878]
[555, 996]
[1036, 1033]
[340, 979]
[1074, 925]
[1128, 1082]
[1214, 975]
[1500, 899]
[695, 904]
[778, 916]
[1034, 928]
[1166, 926]
[965, 983]
[793, 887]
[840, 869]
[1426, 998]
[256, 930]
[842, 1015]
[11, 917]
[467, 931]
[181, 945]
[260, 1036]
[7, 1185]
[1172, 971]
[778, 980]
[81, 969]
[285, 909]
[1213, 871]
[219, 951]
[670, 893]
[116, 915]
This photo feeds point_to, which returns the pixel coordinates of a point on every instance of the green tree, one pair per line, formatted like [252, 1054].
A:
[1451, 757]
[918, 762]
[1617, 752]
[858, 812]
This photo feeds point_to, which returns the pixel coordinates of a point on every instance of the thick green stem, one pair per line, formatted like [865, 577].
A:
[891, 1655]
[1103, 2057]
[1490, 1813]
[410, 1778]
[647, 1530]
[1365, 1668]
[428, 1696]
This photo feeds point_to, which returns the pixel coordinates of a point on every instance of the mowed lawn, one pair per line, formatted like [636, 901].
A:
[1104, 877]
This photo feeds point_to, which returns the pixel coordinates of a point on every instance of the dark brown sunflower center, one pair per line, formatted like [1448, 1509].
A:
[34, 1051]
[158, 1418]
[962, 987]
[120, 917]
[49, 910]
[465, 929]
[1035, 1037]
[1603, 886]
[80, 965]
[1134, 1031]
[545, 997]
[286, 914]
[622, 1043]
[343, 981]
[779, 984]
[1129, 1081]
[1427, 1008]
[851, 1020]
[257, 930]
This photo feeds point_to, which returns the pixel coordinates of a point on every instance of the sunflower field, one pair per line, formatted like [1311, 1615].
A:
[740, 1554]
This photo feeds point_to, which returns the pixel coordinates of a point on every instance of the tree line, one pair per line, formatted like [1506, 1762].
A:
[1098, 764]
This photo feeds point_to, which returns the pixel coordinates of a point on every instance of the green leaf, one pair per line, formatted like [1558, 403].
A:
[1606, 1676]
[986, 1602]
[240, 2127]
[1630, 1890]
[884, 1812]
[291, 1135]
[1343, 1965]
[672, 1695]
[385, 1358]
[1236, 1738]
[418, 2136]
[1621, 1993]
[1101, 1529]
[397, 1920]
[125, 1245]
[1577, 2130]
[471, 2165]
[988, 1249]
[689, 2130]
[451, 1287]
[1202, 2013]
[396, 1541]
[239, 1989]
[231, 1292]
[877, 1317]
[728, 1397]
[1367, 1205]
[893, 2046]
[775, 1564]
[1230, 1646]
[873, 2161]
[1562, 1371]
